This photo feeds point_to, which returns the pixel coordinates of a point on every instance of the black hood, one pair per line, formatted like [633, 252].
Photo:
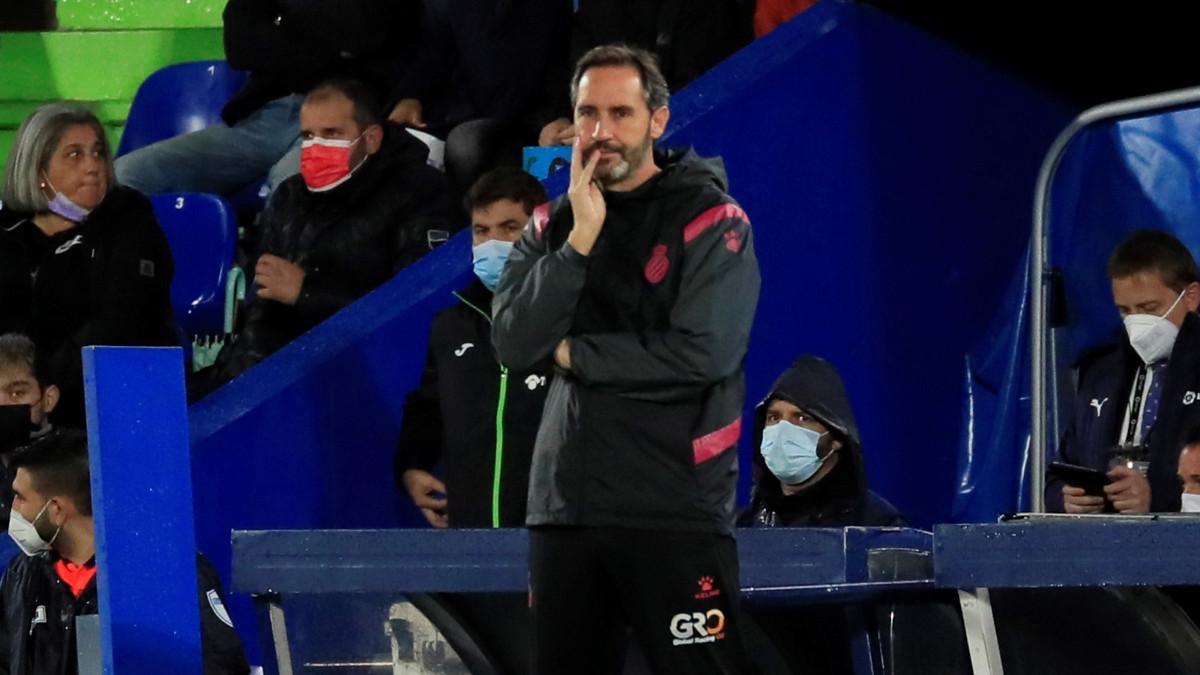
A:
[683, 168]
[813, 385]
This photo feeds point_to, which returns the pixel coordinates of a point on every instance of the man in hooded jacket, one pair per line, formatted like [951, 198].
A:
[808, 464]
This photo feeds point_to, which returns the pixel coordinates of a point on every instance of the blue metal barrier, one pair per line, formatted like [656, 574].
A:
[367, 561]
[142, 502]
[1154, 550]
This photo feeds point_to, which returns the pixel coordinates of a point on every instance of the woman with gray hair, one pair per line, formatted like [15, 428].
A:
[84, 262]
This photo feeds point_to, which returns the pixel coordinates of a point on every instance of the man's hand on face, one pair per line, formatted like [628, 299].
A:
[428, 493]
[1129, 492]
[587, 201]
[1076, 501]
[278, 279]
[557, 132]
[408, 111]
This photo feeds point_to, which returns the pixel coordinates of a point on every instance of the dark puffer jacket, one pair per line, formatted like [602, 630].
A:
[348, 241]
[841, 498]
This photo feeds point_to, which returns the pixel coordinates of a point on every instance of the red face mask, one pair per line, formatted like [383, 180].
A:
[325, 162]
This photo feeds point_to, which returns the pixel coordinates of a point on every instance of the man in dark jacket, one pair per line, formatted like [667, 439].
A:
[361, 210]
[289, 46]
[808, 468]
[476, 80]
[44, 590]
[471, 413]
[1136, 404]
[642, 283]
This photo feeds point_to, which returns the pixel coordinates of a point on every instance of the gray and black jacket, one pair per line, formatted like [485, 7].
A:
[642, 431]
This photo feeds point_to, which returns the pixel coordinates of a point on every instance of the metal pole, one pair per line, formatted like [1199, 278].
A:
[1039, 270]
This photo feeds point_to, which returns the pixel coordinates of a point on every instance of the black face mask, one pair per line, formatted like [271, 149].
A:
[15, 427]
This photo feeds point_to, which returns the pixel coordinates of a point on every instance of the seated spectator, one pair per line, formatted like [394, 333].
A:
[361, 210]
[44, 590]
[1189, 476]
[26, 400]
[809, 470]
[469, 413]
[288, 46]
[88, 264]
[477, 77]
[688, 38]
[1134, 404]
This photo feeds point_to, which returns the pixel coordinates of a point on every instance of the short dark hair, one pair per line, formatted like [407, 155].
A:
[505, 183]
[654, 85]
[1154, 251]
[57, 464]
[17, 350]
[366, 106]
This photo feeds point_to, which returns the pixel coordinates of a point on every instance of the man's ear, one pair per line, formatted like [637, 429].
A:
[658, 122]
[1191, 296]
[373, 138]
[50, 396]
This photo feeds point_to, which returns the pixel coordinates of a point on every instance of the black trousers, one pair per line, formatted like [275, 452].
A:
[677, 591]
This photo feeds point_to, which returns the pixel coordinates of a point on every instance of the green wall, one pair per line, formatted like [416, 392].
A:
[100, 54]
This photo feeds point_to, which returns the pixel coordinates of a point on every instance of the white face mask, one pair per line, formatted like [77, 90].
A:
[26, 535]
[1152, 336]
[1190, 503]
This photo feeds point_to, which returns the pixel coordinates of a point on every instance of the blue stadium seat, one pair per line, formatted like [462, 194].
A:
[178, 99]
[202, 232]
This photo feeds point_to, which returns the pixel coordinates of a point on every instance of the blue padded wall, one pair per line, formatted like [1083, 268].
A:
[889, 180]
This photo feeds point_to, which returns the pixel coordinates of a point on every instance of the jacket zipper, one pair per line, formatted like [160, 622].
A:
[500, 405]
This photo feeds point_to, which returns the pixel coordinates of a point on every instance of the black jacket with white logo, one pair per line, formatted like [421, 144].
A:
[1105, 381]
[106, 281]
[37, 620]
[642, 431]
[474, 416]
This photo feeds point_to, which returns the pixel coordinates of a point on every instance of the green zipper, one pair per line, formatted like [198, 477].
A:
[499, 424]
[499, 446]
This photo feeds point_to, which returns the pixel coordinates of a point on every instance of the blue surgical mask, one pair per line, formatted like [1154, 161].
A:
[62, 206]
[489, 258]
[790, 452]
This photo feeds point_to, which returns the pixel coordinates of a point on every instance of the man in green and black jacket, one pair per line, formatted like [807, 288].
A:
[470, 413]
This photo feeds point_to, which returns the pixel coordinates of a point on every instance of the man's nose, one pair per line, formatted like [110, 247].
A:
[601, 132]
